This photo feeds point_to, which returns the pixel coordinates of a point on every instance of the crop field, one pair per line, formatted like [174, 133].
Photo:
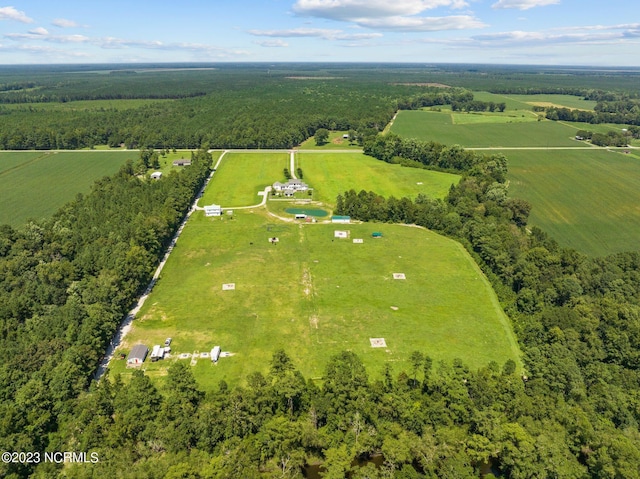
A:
[315, 295]
[331, 174]
[562, 101]
[438, 126]
[242, 175]
[36, 184]
[585, 199]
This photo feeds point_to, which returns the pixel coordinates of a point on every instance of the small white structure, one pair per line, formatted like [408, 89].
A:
[300, 216]
[341, 234]
[399, 276]
[215, 354]
[228, 286]
[358, 240]
[378, 342]
[341, 219]
[345, 136]
[157, 353]
[156, 175]
[213, 210]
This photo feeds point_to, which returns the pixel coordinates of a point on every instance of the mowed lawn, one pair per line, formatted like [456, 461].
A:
[485, 131]
[36, 184]
[586, 199]
[241, 176]
[314, 295]
[332, 174]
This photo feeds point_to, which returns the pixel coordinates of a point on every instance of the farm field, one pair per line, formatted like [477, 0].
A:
[331, 174]
[36, 184]
[585, 199]
[315, 295]
[438, 126]
[234, 186]
[86, 105]
[525, 102]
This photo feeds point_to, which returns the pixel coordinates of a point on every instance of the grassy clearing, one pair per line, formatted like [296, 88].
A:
[242, 175]
[86, 105]
[336, 141]
[438, 126]
[315, 295]
[35, 185]
[474, 118]
[586, 199]
[331, 174]
[562, 101]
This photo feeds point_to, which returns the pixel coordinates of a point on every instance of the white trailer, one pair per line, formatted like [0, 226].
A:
[215, 354]
[157, 353]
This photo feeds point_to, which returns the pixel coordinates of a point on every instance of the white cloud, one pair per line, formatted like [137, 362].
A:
[10, 13]
[423, 24]
[350, 9]
[523, 4]
[64, 23]
[39, 31]
[272, 43]
[325, 33]
[395, 15]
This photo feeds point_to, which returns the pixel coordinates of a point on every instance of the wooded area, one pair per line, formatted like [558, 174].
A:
[65, 284]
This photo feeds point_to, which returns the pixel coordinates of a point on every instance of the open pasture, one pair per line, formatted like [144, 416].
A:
[560, 101]
[36, 184]
[585, 199]
[439, 127]
[241, 176]
[315, 295]
[331, 174]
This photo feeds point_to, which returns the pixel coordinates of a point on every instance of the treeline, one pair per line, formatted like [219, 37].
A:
[477, 105]
[435, 96]
[626, 113]
[392, 148]
[65, 285]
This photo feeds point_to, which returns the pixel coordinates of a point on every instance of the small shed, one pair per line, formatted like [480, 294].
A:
[213, 210]
[181, 162]
[341, 219]
[137, 355]
[156, 175]
[157, 353]
[215, 354]
[376, 234]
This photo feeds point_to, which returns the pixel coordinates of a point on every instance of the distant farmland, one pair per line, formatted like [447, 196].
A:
[36, 184]
[586, 199]
[485, 131]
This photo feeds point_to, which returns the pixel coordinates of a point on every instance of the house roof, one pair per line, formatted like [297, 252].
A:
[139, 351]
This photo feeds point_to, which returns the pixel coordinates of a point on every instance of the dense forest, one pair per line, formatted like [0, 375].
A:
[66, 283]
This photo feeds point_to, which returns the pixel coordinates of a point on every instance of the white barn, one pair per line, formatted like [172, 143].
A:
[213, 210]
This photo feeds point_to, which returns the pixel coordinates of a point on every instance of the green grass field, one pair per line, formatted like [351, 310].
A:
[438, 126]
[336, 142]
[331, 174]
[242, 175]
[315, 295]
[585, 199]
[35, 185]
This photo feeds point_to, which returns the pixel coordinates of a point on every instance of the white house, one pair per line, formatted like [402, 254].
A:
[290, 187]
[215, 354]
[156, 175]
[213, 210]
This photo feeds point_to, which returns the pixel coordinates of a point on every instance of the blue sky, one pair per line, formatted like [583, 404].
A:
[549, 32]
